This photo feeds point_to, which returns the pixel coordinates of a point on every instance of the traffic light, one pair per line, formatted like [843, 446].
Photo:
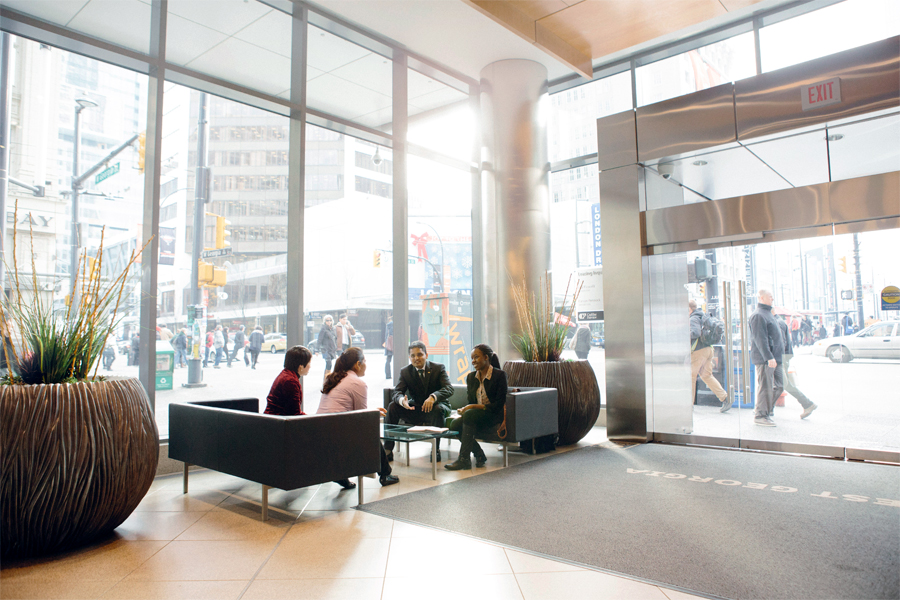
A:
[93, 269]
[221, 232]
[219, 277]
[843, 262]
[142, 148]
[703, 288]
[376, 261]
[204, 273]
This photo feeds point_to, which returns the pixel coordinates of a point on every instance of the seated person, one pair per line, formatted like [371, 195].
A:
[486, 391]
[286, 396]
[344, 390]
[422, 394]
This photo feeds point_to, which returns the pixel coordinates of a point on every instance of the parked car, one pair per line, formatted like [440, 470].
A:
[275, 342]
[879, 340]
[358, 340]
[597, 340]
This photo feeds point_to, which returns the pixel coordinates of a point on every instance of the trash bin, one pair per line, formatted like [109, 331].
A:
[165, 365]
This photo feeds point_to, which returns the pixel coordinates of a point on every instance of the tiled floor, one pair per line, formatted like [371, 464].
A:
[210, 544]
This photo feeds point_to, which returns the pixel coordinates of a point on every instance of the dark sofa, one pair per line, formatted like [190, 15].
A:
[232, 437]
[531, 412]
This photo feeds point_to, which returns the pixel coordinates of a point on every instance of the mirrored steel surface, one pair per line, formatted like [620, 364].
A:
[616, 140]
[626, 393]
[686, 123]
[863, 198]
[515, 184]
[771, 102]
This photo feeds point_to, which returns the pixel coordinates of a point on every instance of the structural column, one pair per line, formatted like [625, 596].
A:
[515, 191]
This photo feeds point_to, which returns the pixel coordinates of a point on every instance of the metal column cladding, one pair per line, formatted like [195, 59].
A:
[626, 368]
[515, 190]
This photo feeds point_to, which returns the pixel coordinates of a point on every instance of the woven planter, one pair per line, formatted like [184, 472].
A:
[576, 384]
[77, 459]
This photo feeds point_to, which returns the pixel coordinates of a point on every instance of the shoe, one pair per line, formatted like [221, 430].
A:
[459, 464]
[726, 405]
[764, 422]
[388, 480]
[438, 456]
[480, 461]
[346, 484]
[253, 367]
[808, 410]
[389, 455]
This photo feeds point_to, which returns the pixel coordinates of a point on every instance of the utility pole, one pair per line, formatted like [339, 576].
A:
[860, 319]
[201, 197]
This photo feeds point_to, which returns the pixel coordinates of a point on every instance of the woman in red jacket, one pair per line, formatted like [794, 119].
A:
[286, 396]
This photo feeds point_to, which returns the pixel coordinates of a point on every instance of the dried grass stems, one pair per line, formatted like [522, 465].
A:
[60, 347]
[543, 337]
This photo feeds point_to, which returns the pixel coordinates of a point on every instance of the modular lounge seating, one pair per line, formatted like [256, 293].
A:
[231, 436]
[531, 412]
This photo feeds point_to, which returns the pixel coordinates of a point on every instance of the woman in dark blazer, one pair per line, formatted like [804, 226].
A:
[486, 389]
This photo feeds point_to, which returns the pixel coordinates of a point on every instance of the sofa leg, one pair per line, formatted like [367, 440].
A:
[265, 503]
[505, 456]
[359, 488]
[186, 467]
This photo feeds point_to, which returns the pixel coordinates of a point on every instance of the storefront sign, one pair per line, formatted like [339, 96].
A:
[595, 234]
[589, 307]
[823, 93]
[890, 298]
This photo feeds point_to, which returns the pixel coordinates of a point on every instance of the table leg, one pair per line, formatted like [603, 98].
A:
[434, 442]
[407, 454]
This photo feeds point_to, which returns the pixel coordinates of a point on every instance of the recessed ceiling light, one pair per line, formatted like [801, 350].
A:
[700, 163]
[835, 137]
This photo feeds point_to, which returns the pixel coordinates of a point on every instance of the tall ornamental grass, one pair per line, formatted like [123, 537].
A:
[59, 346]
[543, 337]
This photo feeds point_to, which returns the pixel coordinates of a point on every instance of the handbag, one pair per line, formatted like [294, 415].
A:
[389, 344]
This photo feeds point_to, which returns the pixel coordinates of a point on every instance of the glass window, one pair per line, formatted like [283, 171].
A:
[440, 117]
[348, 264]
[826, 31]
[245, 220]
[347, 80]
[573, 127]
[56, 93]
[700, 69]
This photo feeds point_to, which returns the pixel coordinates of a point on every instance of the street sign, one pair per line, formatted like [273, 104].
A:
[216, 252]
[590, 316]
[106, 173]
[846, 294]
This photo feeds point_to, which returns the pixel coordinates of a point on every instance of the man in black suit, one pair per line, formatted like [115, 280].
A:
[421, 396]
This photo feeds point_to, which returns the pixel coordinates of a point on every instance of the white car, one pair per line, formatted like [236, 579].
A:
[879, 340]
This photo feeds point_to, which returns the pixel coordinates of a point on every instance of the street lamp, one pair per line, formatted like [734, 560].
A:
[82, 103]
[441, 242]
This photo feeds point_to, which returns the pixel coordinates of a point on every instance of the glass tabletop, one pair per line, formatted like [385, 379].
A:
[401, 433]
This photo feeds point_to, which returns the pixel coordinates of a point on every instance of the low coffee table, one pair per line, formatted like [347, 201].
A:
[401, 433]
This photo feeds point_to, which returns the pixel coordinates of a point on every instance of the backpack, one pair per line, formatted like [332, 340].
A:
[712, 330]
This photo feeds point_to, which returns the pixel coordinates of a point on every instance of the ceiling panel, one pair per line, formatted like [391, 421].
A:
[440, 97]
[122, 22]
[380, 119]
[186, 40]
[59, 12]
[536, 9]
[801, 159]
[866, 148]
[726, 174]
[372, 71]
[342, 98]
[272, 32]
[328, 52]
[225, 16]
[245, 64]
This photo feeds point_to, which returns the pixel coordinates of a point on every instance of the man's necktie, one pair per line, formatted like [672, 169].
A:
[422, 375]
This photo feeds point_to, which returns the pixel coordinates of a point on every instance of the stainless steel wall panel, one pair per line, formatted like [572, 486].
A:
[694, 440]
[864, 198]
[771, 102]
[793, 448]
[872, 455]
[626, 382]
[616, 141]
[784, 209]
[670, 362]
[861, 226]
[686, 123]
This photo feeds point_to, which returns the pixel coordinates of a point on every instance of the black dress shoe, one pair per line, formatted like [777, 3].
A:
[480, 461]
[388, 480]
[346, 484]
[389, 455]
[437, 455]
[459, 464]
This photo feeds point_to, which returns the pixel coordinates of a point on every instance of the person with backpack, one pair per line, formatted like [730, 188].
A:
[787, 378]
[704, 330]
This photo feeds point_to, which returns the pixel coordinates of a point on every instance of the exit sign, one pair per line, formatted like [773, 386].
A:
[823, 93]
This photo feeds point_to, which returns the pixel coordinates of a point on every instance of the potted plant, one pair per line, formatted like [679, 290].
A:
[79, 451]
[541, 345]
